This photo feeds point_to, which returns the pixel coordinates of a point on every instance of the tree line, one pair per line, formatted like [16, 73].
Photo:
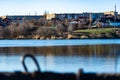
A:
[41, 28]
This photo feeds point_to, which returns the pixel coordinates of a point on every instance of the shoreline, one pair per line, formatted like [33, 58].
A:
[72, 38]
[99, 33]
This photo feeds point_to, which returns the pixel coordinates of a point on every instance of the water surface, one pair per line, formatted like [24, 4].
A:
[101, 56]
[38, 43]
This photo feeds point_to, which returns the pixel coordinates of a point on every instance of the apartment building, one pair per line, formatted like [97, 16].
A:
[20, 17]
[63, 16]
[92, 16]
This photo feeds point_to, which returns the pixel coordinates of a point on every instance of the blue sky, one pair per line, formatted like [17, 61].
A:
[25, 7]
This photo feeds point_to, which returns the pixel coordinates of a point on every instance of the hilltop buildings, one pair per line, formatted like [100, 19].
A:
[75, 15]
[63, 16]
[104, 17]
[6, 20]
[110, 18]
[19, 18]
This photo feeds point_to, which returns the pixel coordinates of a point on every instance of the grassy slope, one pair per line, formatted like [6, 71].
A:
[96, 31]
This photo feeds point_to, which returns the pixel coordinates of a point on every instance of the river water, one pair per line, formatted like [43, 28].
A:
[62, 55]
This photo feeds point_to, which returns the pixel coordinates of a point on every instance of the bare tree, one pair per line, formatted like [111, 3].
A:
[1, 32]
[6, 33]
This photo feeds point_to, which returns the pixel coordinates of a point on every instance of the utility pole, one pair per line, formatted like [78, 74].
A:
[35, 13]
[90, 20]
[45, 14]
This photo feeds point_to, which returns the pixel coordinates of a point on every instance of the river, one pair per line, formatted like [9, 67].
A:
[94, 55]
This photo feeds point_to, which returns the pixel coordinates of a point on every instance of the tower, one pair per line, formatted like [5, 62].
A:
[115, 14]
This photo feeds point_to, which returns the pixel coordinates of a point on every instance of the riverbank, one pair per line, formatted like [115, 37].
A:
[98, 33]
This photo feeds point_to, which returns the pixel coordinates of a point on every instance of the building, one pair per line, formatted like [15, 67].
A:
[109, 21]
[0, 21]
[63, 16]
[15, 18]
[93, 16]
[28, 17]
[50, 16]
[114, 24]
[113, 13]
[118, 16]
[6, 20]
[74, 16]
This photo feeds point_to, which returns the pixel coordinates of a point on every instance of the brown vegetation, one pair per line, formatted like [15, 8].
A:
[31, 28]
[50, 29]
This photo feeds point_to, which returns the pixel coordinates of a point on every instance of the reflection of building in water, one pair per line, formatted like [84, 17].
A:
[49, 62]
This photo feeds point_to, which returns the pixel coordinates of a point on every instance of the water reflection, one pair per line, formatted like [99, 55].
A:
[90, 50]
[95, 58]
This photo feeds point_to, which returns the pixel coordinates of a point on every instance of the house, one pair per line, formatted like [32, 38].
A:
[4, 22]
[108, 21]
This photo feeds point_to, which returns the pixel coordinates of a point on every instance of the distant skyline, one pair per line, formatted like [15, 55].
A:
[32, 7]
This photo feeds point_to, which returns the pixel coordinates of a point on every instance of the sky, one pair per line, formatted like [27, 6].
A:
[32, 7]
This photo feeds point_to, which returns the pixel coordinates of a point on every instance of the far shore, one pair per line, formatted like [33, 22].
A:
[98, 33]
